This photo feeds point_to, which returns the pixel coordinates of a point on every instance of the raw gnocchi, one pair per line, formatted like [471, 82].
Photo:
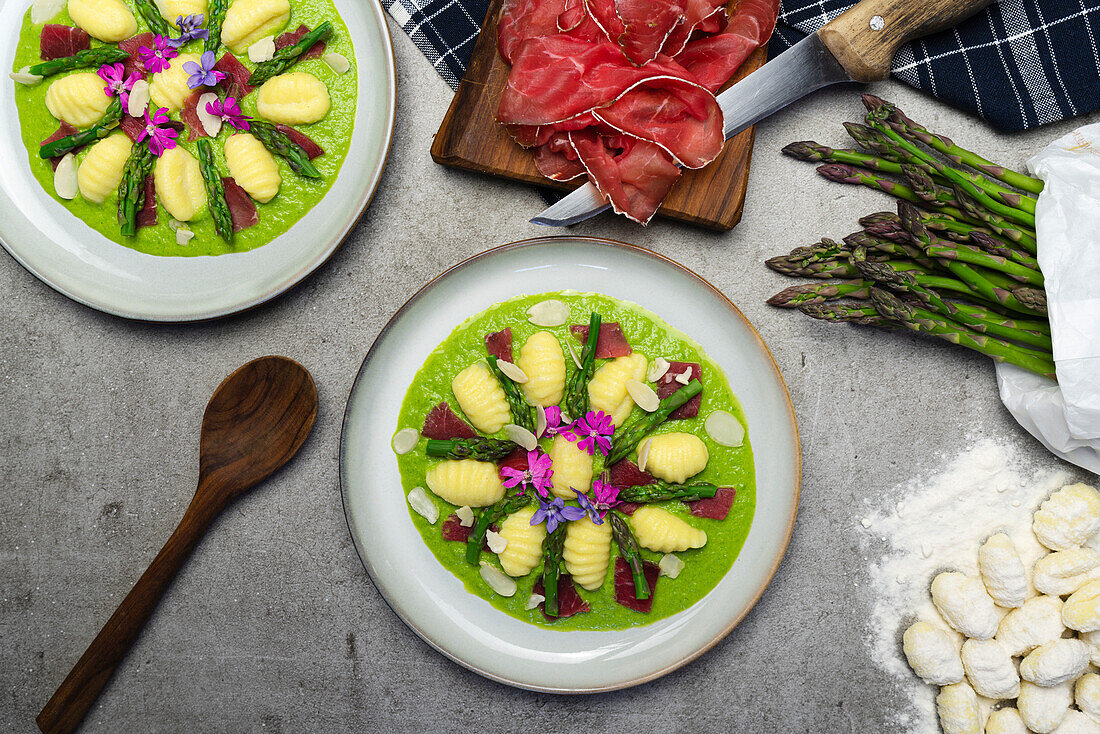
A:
[1081, 611]
[1043, 708]
[252, 166]
[78, 99]
[1064, 572]
[465, 482]
[965, 605]
[481, 398]
[572, 469]
[543, 362]
[957, 706]
[1005, 721]
[676, 456]
[1068, 517]
[247, 21]
[659, 530]
[107, 20]
[524, 549]
[1093, 639]
[101, 169]
[173, 9]
[1077, 723]
[932, 654]
[169, 88]
[179, 184]
[1086, 694]
[1055, 662]
[297, 98]
[587, 552]
[990, 669]
[607, 388]
[1038, 620]
[1002, 571]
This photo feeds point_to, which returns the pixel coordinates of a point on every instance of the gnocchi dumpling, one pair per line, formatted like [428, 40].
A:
[107, 20]
[990, 669]
[179, 184]
[247, 21]
[172, 9]
[465, 482]
[481, 398]
[607, 388]
[659, 530]
[932, 654]
[252, 167]
[1068, 517]
[963, 603]
[524, 549]
[542, 360]
[1005, 721]
[1081, 611]
[572, 469]
[1002, 571]
[1038, 620]
[587, 552]
[169, 88]
[297, 98]
[78, 99]
[1064, 572]
[101, 170]
[957, 707]
[676, 456]
[1042, 708]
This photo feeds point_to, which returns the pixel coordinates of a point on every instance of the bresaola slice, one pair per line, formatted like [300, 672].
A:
[516, 460]
[569, 601]
[189, 113]
[647, 24]
[624, 585]
[557, 160]
[290, 38]
[668, 384]
[58, 41]
[303, 141]
[236, 76]
[453, 529]
[716, 507]
[697, 13]
[147, 215]
[242, 211]
[634, 180]
[63, 130]
[712, 60]
[625, 473]
[628, 508]
[131, 45]
[132, 126]
[442, 423]
[610, 342]
[499, 344]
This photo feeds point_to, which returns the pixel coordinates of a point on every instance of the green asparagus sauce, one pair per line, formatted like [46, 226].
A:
[730, 467]
[297, 195]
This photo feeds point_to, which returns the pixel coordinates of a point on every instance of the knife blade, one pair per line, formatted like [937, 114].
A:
[857, 45]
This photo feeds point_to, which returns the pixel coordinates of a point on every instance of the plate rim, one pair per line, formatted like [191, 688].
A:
[295, 279]
[757, 594]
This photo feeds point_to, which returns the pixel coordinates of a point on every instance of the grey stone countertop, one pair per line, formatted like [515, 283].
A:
[274, 626]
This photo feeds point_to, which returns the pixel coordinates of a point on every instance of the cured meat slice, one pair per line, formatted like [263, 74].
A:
[635, 181]
[236, 76]
[716, 507]
[524, 19]
[697, 13]
[290, 38]
[714, 59]
[453, 529]
[628, 508]
[63, 130]
[668, 384]
[147, 215]
[189, 113]
[306, 143]
[624, 584]
[573, 15]
[241, 209]
[442, 423]
[610, 342]
[604, 16]
[557, 160]
[58, 41]
[516, 460]
[131, 45]
[132, 126]
[569, 601]
[646, 26]
[530, 136]
[499, 344]
[626, 473]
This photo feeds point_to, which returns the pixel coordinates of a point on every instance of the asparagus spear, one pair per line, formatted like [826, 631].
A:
[629, 551]
[661, 491]
[553, 548]
[80, 60]
[823, 269]
[631, 434]
[993, 244]
[131, 189]
[1009, 230]
[100, 130]
[287, 56]
[575, 401]
[840, 312]
[486, 517]
[842, 173]
[215, 14]
[281, 145]
[806, 293]
[148, 10]
[479, 449]
[975, 256]
[826, 250]
[988, 314]
[808, 150]
[521, 410]
[215, 190]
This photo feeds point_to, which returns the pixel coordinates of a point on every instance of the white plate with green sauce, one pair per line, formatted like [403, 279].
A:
[495, 639]
[76, 249]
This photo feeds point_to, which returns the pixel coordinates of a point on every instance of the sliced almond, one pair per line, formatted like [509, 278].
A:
[725, 429]
[404, 440]
[176, 224]
[657, 369]
[337, 62]
[515, 374]
[498, 581]
[521, 436]
[573, 353]
[643, 395]
[184, 236]
[685, 377]
[64, 178]
[643, 454]
[465, 516]
[138, 101]
[496, 542]
[422, 504]
[211, 124]
[540, 421]
[43, 10]
[671, 565]
[24, 76]
[533, 601]
[262, 50]
[548, 313]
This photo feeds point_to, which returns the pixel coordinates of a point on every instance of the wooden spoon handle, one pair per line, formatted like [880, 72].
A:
[65, 710]
[864, 38]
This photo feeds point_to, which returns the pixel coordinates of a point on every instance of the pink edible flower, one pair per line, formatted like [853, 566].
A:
[156, 59]
[117, 82]
[607, 496]
[229, 111]
[593, 430]
[160, 138]
[537, 475]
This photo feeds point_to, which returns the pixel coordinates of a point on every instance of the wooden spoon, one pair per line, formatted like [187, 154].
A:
[255, 422]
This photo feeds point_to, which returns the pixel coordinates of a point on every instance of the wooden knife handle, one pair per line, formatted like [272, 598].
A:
[864, 38]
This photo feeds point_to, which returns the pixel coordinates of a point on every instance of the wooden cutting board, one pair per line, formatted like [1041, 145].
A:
[470, 138]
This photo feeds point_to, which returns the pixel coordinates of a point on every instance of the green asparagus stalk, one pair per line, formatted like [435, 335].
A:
[479, 448]
[215, 190]
[575, 401]
[810, 151]
[630, 435]
[287, 56]
[98, 131]
[1022, 236]
[842, 173]
[149, 12]
[996, 245]
[521, 409]
[975, 256]
[281, 145]
[93, 57]
[553, 548]
[486, 517]
[131, 189]
[806, 293]
[661, 491]
[843, 312]
[629, 551]
[988, 314]
[823, 270]
[824, 251]
[215, 14]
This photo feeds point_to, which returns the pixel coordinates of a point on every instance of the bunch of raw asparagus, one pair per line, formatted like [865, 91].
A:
[957, 259]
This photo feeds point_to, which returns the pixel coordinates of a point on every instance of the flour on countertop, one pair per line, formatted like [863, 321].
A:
[937, 525]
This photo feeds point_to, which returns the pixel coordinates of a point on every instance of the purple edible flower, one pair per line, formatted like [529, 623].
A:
[117, 82]
[160, 138]
[590, 507]
[593, 430]
[554, 423]
[537, 475]
[607, 496]
[554, 513]
[156, 59]
[229, 111]
[189, 30]
[203, 74]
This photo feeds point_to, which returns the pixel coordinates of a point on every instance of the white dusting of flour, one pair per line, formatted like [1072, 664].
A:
[937, 524]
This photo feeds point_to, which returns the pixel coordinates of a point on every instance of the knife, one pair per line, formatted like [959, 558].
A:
[857, 45]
